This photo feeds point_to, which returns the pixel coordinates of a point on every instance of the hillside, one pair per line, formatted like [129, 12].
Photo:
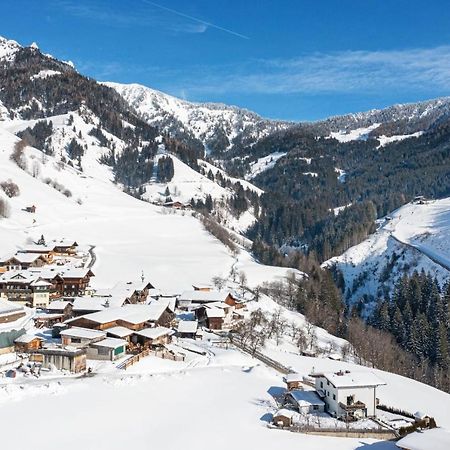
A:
[217, 127]
[414, 237]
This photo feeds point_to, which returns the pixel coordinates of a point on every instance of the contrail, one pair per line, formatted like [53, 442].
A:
[186, 16]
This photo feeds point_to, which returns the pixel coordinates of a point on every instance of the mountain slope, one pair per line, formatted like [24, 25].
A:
[415, 237]
[218, 127]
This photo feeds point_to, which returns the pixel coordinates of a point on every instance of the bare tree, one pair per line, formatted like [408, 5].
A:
[218, 282]
[18, 155]
[242, 281]
[36, 169]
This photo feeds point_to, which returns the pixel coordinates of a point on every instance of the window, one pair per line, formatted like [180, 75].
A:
[315, 407]
[321, 384]
[334, 396]
[75, 341]
[350, 399]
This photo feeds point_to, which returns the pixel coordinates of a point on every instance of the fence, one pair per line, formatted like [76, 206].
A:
[258, 355]
[373, 433]
[164, 354]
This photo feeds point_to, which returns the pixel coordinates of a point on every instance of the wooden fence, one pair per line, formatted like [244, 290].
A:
[164, 354]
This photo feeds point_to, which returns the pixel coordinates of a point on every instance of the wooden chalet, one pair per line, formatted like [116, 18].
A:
[25, 288]
[45, 251]
[152, 337]
[27, 343]
[74, 282]
[65, 247]
[213, 318]
[62, 307]
[187, 329]
[133, 317]
[80, 337]
[22, 261]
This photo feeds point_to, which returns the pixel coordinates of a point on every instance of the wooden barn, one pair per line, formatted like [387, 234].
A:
[152, 337]
[284, 418]
[80, 337]
[27, 343]
[293, 381]
[187, 329]
[70, 359]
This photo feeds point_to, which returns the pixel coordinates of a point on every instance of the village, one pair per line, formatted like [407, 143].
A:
[54, 323]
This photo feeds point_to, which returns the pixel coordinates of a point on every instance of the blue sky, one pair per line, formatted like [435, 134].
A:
[295, 60]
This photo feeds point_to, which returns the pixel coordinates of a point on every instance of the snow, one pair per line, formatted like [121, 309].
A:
[185, 185]
[264, 163]
[353, 379]
[83, 333]
[45, 74]
[358, 134]
[384, 140]
[436, 439]
[416, 233]
[8, 48]
[200, 120]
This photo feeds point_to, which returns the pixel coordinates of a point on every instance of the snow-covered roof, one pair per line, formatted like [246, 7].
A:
[434, 439]
[187, 326]
[154, 333]
[306, 398]
[110, 343]
[134, 314]
[58, 305]
[293, 377]
[27, 338]
[25, 257]
[348, 378]
[215, 313]
[289, 413]
[97, 303]
[7, 307]
[204, 296]
[83, 333]
[37, 249]
[119, 331]
[40, 283]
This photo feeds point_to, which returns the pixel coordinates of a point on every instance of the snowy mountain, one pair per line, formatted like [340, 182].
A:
[218, 127]
[414, 237]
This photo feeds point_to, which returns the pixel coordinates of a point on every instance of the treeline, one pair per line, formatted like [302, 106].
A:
[317, 297]
[417, 315]
[318, 175]
[38, 136]
[132, 167]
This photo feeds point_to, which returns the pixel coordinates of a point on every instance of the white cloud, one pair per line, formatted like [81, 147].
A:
[340, 72]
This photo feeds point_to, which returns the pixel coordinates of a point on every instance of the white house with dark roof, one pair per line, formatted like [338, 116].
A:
[349, 393]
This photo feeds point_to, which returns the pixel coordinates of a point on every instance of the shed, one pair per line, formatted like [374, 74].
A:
[284, 417]
[305, 401]
[119, 332]
[187, 328]
[293, 381]
[81, 337]
[107, 349]
[62, 358]
[152, 337]
[27, 343]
